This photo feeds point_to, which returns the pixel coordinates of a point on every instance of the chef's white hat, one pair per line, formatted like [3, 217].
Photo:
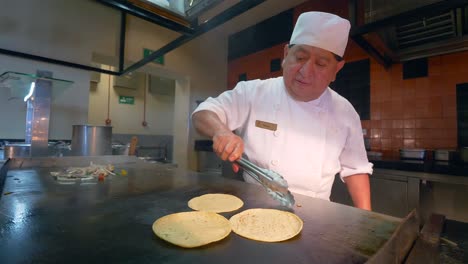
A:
[323, 30]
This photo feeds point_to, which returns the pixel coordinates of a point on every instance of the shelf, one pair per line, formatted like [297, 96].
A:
[20, 83]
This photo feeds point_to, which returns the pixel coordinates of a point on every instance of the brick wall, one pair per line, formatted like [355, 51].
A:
[415, 113]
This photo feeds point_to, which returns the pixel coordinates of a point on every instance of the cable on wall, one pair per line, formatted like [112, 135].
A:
[144, 123]
[108, 120]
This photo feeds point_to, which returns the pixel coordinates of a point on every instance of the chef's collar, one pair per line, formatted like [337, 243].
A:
[320, 101]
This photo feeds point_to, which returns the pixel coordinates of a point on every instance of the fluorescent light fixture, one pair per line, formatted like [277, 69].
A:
[31, 91]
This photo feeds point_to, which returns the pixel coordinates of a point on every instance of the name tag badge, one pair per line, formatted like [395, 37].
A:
[266, 125]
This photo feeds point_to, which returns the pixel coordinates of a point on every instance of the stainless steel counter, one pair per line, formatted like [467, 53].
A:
[42, 221]
[453, 168]
[424, 176]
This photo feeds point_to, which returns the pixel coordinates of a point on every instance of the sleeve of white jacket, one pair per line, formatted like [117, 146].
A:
[353, 158]
[231, 106]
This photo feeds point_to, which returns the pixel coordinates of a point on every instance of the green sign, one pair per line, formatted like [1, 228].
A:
[159, 60]
[126, 100]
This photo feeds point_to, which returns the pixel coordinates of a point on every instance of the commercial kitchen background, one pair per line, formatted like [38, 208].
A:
[404, 113]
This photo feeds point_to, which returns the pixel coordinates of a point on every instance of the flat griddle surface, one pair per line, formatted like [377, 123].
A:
[42, 221]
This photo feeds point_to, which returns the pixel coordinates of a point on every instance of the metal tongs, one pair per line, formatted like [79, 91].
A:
[273, 182]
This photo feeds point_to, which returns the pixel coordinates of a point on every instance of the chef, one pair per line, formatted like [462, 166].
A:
[295, 124]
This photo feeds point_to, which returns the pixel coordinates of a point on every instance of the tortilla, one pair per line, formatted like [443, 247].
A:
[192, 229]
[267, 225]
[216, 202]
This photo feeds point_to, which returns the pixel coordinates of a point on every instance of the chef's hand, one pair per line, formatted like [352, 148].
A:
[228, 146]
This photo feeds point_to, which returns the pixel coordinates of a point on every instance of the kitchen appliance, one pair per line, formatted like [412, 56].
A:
[444, 154]
[412, 154]
[89, 140]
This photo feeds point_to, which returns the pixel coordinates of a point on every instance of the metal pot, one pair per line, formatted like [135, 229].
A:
[16, 150]
[90, 140]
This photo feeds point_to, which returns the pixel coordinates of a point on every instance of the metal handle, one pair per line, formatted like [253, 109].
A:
[253, 168]
[274, 183]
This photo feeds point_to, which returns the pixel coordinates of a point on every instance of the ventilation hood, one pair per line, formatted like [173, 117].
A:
[397, 31]
[177, 15]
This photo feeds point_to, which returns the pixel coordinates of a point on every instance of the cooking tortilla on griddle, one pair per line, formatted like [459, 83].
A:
[216, 202]
[192, 229]
[267, 225]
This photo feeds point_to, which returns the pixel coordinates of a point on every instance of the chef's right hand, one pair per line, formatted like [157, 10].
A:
[228, 146]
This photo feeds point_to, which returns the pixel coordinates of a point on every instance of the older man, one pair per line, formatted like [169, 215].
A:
[295, 124]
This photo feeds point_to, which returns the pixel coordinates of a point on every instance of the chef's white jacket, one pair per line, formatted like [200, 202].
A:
[313, 141]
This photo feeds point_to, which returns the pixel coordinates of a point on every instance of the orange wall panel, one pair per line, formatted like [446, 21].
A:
[255, 65]
[428, 105]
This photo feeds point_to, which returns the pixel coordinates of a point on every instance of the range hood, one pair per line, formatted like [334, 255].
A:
[189, 9]
[178, 15]
[397, 31]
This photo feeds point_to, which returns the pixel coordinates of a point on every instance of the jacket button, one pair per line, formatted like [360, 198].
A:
[276, 133]
[274, 162]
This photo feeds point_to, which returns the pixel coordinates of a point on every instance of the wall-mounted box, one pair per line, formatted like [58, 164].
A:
[132, 81]
[95, 77]
[161, 86]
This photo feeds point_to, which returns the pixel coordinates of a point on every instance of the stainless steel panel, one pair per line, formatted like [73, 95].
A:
[29, 121]
[16, 150]
[389, 197]
[392, 195]
[90, 140]
[39, 126]
[209, 161]
[414, 193]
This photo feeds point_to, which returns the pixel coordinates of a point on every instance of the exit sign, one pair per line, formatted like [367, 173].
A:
[126, 100]
[158, 60]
